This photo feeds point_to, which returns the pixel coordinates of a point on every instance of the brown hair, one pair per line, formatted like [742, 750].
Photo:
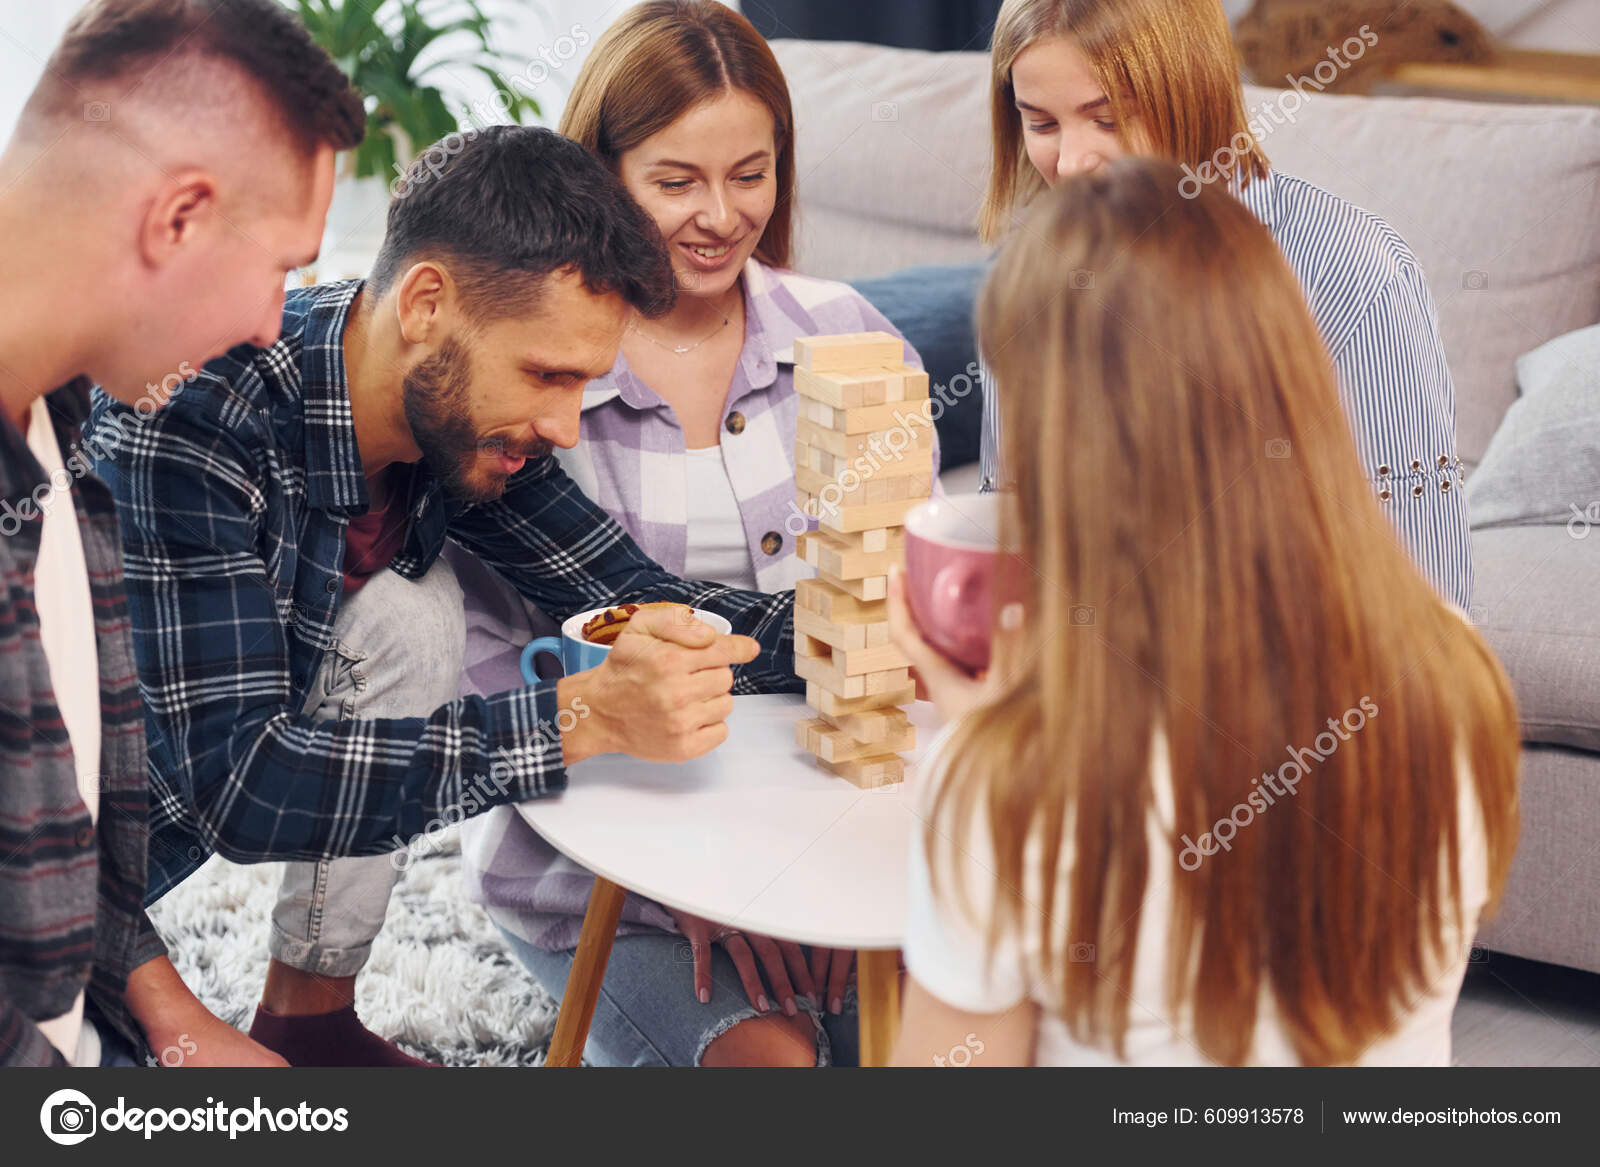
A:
[1170, 62]
[659, 61]
[1211, 566]
[112, 39]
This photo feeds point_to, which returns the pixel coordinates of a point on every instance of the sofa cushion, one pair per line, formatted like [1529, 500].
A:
[1530, 601]
[1501, 203]
[1543, 465]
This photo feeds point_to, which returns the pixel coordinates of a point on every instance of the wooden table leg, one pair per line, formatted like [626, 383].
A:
[588, 970]
[878, 993]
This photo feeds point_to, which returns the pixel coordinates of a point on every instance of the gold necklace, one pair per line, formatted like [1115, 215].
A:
[681, 349]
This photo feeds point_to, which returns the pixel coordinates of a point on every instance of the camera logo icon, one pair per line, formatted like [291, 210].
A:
[67, 1117]
[1082, 615]
[1278, 448]
[96, 111]
[1475, 281]
[885, 111]
[1081, 280]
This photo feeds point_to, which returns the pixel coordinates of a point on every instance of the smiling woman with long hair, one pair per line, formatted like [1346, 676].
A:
[1077, 83]
[688, 443]
[1252, 809]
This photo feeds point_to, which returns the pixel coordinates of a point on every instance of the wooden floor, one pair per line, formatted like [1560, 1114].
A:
[1522, 1013]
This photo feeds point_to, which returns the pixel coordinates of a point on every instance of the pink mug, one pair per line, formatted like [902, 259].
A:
[952, 557]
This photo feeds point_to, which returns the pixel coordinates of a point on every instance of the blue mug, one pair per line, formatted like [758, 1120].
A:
[577, 654]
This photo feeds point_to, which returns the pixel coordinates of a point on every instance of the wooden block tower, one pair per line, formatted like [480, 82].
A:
[863, 458]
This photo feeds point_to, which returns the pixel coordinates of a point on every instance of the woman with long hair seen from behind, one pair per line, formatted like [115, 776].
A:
[1239, 786]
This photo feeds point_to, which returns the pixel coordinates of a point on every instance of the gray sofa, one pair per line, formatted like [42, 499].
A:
[1502, 206]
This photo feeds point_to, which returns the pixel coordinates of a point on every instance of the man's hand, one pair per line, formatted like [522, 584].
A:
[663, 693]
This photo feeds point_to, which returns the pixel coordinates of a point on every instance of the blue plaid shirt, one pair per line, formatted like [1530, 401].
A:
[234, 501]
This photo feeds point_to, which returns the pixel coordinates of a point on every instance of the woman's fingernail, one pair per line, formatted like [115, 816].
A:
[1011, 617]
[788, 1006]
[705, 996]
[761, 1004]
[835, 1006]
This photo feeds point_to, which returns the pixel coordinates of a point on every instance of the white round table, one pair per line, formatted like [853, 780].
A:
[755, 835]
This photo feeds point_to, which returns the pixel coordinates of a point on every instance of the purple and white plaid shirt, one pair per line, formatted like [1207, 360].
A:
[631, 458]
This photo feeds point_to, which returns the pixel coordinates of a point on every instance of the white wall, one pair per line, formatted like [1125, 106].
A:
[27, 34]
[522, 28]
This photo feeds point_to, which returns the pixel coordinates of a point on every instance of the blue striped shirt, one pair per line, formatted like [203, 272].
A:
[1371, 302]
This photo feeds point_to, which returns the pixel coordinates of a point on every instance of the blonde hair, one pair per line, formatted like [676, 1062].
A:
[1170, 62]
[660, 60]
[1185, 469]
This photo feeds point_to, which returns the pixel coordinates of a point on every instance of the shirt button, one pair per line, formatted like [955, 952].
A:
[1416, 464]
[85, 837]
[772, 542]
[333, 585]
[1385, 495]
[1383, 471]
[735, 422]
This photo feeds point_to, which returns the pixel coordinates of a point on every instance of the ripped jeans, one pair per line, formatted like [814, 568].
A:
[648, 1014]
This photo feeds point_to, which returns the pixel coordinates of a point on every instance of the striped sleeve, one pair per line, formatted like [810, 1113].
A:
[1398, 392]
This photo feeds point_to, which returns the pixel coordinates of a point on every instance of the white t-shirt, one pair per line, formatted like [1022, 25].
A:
[948, 955]
[66, 633]
[717, 548]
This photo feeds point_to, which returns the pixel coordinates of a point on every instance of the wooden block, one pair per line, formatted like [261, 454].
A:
[887, 487]
[845, 557]
[873, 443]
[844, 520]
[833, 604]
[867, 489]
[831, 677]
[877, 725]
[812, 647]
[848, 350]
[835, 745]
[883, 538]
[831, 704]
[868, 773]
[844, 636]
[866, 419]
[907, 383]
[847, 391]
[873, 587]
[851, 662]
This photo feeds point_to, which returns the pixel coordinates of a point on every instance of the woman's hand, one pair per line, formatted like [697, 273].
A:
[951, 688]
[784, 963]
[832, 969]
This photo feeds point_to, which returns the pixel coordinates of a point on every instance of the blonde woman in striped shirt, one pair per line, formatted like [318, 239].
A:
[1076, 83]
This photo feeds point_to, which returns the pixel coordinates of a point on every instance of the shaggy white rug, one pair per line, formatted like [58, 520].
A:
[440, 982]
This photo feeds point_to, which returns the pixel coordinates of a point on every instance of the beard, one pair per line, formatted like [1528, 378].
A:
[437, 399]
